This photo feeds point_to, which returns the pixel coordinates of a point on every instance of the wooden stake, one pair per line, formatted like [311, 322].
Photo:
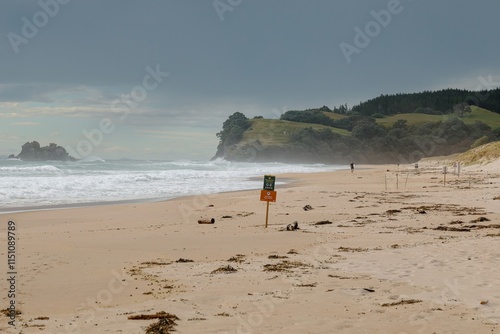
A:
[385, 181]
[267, 212]
[397, 180]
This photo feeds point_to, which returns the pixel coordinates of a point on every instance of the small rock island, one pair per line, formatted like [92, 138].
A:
[33, 152]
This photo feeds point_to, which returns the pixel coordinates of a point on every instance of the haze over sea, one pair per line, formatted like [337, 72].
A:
[26, 185]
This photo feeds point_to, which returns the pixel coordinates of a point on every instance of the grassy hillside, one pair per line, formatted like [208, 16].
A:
[486, 116]
[276, 132]
[317, 135]
[477, 114]
[412, 119]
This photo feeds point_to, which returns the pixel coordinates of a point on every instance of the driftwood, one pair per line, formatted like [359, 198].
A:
[206, 221]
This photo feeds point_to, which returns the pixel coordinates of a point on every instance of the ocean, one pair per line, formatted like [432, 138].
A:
[29, 185]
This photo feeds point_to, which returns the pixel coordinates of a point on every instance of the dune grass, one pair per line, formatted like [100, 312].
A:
[482, 154]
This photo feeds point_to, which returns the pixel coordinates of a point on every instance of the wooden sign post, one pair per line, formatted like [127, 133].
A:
[268, 194]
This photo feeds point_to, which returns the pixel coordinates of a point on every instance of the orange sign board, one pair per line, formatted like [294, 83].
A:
[268, 196]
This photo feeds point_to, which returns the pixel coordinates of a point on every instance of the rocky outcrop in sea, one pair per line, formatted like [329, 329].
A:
[33, 152]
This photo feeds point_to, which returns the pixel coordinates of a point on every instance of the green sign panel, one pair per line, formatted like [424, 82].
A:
[269, 181]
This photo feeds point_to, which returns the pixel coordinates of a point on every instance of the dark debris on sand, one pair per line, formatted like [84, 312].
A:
[224, 270]
[352, 249]
[451, 229]
[285, 266]
[402, 302]
[181, 260]
[157, 315]
[238, 258]
[467, 228]
[323, 222]
[6, 312]
[164, 325]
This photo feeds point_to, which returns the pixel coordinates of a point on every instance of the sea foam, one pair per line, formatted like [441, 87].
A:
[34, 184]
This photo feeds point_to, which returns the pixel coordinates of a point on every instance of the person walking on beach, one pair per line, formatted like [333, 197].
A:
[352, 167]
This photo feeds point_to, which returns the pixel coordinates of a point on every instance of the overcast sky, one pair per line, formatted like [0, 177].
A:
[155, 79]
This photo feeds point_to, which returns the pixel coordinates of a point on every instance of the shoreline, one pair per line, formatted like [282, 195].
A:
[27, 208]
[373, 247]
[283, 183]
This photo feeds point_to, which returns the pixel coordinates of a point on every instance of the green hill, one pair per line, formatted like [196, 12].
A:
[477, 114]
[483, 115]
[412, 119]
[277, 132]
[369, 133]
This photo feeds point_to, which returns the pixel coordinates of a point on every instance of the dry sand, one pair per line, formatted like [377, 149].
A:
[419, 257]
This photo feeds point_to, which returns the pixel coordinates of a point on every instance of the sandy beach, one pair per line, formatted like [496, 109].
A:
[386, 249]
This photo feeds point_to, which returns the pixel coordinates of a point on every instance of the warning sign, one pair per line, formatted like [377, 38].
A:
[268, 196]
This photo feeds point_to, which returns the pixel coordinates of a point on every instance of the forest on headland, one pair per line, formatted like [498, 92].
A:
[399, 128]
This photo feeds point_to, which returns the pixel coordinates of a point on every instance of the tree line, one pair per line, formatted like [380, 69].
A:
[439, 102]
[370, 142]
